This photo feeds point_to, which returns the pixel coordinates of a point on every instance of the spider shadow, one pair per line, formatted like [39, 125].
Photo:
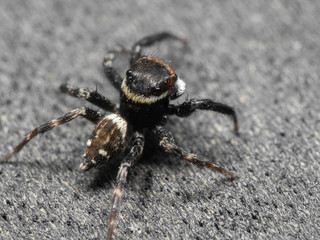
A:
[181, 189]
[104, 175]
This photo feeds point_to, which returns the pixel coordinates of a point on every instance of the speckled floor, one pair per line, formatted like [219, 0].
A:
[260, 56]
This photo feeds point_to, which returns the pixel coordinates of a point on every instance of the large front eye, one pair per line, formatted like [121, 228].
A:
[129, 75]
[131, 80]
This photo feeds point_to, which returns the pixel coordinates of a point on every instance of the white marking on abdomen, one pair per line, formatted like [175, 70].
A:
[119, 122]
[103, 152]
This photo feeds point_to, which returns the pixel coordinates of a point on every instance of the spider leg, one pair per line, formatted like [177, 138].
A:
[166, 142]
[186, 108]
[127, 163]
[91, 96]
[108, 68]
[148, 41]
[85, 112]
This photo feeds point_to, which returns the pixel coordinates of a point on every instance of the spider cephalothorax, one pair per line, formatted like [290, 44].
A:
[148, 81]
[145, 94]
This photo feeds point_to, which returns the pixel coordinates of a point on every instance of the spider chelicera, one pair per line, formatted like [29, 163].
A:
[145, 94]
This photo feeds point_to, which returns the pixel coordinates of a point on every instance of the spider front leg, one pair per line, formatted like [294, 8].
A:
[108, 68]
[85, 112]
[148, 41]
[91, 96]
[127, 163]
[166, 142]
[186, 108]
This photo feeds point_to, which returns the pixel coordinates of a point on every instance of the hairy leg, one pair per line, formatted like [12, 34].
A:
[148, 41]
[91, 96]
[166, 142]
[127, 163]
[186, 108]
[108, 68]
[85, 112]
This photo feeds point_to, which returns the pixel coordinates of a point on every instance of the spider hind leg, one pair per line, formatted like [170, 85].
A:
[134, 155]
[166, 142]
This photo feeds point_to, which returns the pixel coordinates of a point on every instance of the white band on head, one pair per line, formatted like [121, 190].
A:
[137, 98]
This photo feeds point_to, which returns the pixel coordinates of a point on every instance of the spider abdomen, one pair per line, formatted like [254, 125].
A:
[108, 139]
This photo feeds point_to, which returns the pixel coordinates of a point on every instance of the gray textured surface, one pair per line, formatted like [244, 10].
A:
[260, 56]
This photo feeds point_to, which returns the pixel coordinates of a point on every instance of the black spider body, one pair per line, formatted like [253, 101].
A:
[145, 94]
[143, 115]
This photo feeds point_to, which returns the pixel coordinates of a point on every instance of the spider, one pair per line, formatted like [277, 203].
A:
[145, 94]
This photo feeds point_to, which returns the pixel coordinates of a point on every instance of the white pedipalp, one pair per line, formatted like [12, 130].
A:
[180, 88]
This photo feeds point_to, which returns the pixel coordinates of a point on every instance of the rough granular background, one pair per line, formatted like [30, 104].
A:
[260, 56]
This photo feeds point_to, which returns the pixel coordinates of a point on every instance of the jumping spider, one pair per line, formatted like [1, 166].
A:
[145, 94]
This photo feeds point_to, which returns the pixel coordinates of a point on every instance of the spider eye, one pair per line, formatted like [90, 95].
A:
[157, 91]
[129, 74]
[167, 83]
